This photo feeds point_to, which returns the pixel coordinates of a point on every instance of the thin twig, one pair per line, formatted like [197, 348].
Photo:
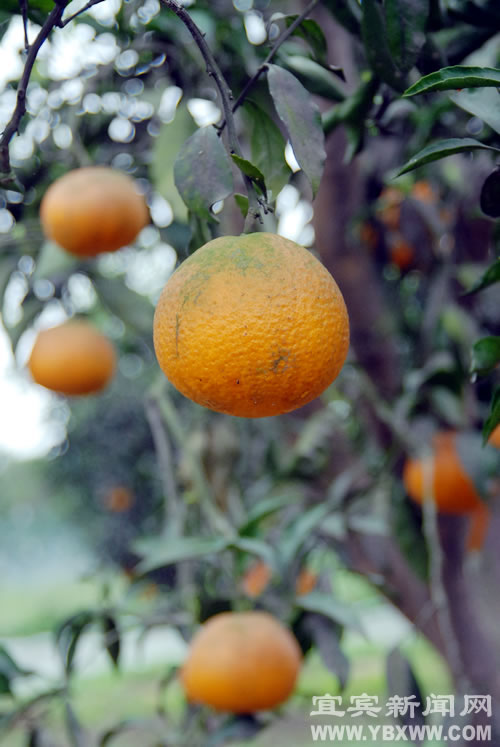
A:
[226, 97]
[52, 20]
[277, 44]
[86, 7]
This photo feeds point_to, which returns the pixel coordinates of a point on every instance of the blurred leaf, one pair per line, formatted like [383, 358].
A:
[281, 497]
[480, 462]
[448, 406]
[402, 683]
[255, 547]
[166, 148]
[8, 666]
[53, 261]
[457, 76]
[311, 32]
[159, 552]
[325, 604]
[235, 729]
[300, 530]
[68, 634]
[406, 20]
[32, 306]
[485, 355]
[112, 638]
[268, 148]
[368, 524]
[491, 276]
[132, 308]
[314, 77]
[494, 417]
[347, 13]
[442, 149]
[377, 50]
[253, 173]
[242, 202]
[325, 634]
[4, 684]
[490, 194]
[76, 732]
[481, 102]
[202, 171]
[302, 119]
[7, 266]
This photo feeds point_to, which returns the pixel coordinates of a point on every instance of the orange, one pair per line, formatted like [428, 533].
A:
[478, 528]
[251, 325]
[119, 499]
[73, 358]
[256, 579]
[241, 662]
[92, 210]
[306, 581]
[494, 438]
[402, 254]
[453, 490]
[424, 191]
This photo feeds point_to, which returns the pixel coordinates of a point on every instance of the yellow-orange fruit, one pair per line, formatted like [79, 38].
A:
[452, 488]
[306, 581]
[92, 210]
[251, 325]
[241, 662]
[73, 358]
[256, 579]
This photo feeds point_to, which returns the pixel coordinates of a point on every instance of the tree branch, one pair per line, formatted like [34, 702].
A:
[52, 20]
[90, 4]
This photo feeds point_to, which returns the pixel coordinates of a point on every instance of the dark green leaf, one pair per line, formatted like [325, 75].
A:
[481, 102]
[325, 634]
[132, 308]
[160, 552]
[302, 119]
[253, 173]
[348, 14]
[242, 202]
[311, 32]
[490, 195]
[68, 635]
[494, 417]
[202, 171]
[314, 77]
[282, 496]
[8, 666]
[256, 547]
[485, 355]
[457, 76]
[491, 276]
[112, 638]
[406, 21]
[325, 604]
[300, 530]
[238, 729]
[377, 50]
[442, 149]
[401, 682]
[268, 148]
[4, 684]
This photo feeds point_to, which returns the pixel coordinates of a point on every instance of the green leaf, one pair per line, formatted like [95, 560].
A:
[132, 308]
[166, 148]
[268, 148]
[491, 276]
[242, 202]
[68, 635]
[255, 547]
[490, 195]
[311, 32]
[4, 685]
[457, 76]
[485, 355]
[8, 666]
[376, 44]
[406, 21]
[202, 172]
[442, 149]
[302, 119]
[494, 417]
[112, 638]
[282, 497]
[160, 552]
[326, 635]
[325, 604]
[300, 530]
[401, 682]
[481, 462]
[348, 14]
[253, 173]
[314, 77]
[481, 102]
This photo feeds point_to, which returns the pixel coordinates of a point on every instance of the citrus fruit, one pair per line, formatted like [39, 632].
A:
[256, 579]
[494, 438]
[241, 662]
[73, 358]
[453, 490]
[306, 581]
[92, 210]
[251, 325]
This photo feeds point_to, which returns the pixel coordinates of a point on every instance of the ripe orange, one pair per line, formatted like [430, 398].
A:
[241, 662]
[92, 210]
[453, 490]
[306, 581]
[256, 579]
[402, 254]
[73, 358]
[251, 325]
[119, 499]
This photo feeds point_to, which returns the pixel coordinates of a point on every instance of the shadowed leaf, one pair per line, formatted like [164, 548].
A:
[442, 149]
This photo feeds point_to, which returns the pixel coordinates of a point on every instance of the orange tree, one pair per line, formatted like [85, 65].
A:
[384, 117]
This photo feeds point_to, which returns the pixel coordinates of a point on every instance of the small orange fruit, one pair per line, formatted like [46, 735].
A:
[425, 192]
[494, 438]
[453, 490]
[241, 662]
[73, 358]
[306, 581]
[251, 325]
[119, 499]
[478, 528]
[92, 210]
[256, 579]
[402, 254]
